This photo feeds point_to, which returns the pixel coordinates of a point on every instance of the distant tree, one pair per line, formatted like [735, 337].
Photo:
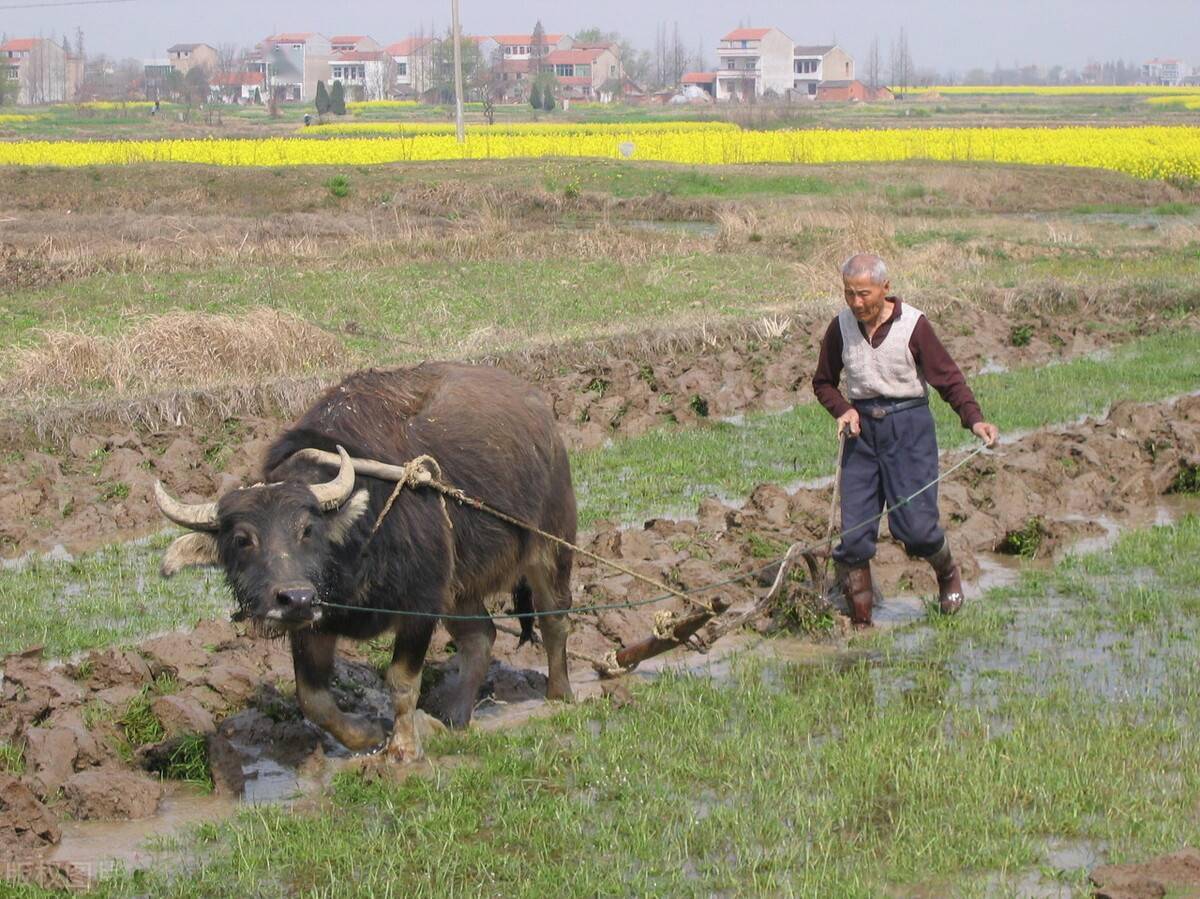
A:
[537, 48]
[874, 64]
[901, 64]
[548, 96]
[257, 97]
[535, 94]
[195, 86]
[321, 100]
[442, 80]
[337, 99]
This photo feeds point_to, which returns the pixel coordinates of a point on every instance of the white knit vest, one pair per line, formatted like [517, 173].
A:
[888, 370]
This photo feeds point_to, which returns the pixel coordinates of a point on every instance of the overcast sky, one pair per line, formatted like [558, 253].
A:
[943, 35]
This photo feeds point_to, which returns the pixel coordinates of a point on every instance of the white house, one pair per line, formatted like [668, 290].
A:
[1164, 72]
[413, 58]
[363, 73]
[752, 61]
[812, 65]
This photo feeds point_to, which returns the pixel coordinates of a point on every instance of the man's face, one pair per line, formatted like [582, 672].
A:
[865, 298]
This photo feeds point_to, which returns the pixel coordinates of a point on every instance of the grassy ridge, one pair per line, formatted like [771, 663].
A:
[945, 770]
[392, 311]
[667, 471]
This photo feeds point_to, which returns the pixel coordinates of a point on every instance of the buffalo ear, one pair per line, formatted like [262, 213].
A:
[198, 548]
[344, 518]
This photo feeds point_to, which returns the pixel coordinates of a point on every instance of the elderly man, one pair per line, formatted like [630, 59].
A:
[888, 352]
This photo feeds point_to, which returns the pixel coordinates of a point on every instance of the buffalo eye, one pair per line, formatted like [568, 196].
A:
[243, 540]
[306, 531]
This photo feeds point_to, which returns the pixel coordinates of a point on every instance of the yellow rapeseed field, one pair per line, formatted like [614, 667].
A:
[355, 105]
[561, 129]
[1056, 90]
[1192, 102]
[115, 104]
[1144, 152]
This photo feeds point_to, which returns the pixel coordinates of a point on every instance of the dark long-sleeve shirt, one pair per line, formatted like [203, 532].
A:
[933, 362]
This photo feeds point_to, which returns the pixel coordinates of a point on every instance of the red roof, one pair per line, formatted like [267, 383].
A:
[526, 38]
[566, 57]
[358, 56]
[575, 80]
[235, 79]
[346, 38]
[746, 34]
[19, 43]
[407, 46]
[292, 37]
[699, 78]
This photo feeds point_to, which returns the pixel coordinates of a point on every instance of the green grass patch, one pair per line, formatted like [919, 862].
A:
[666, 471]
[627, 180]
[941, 770]
[102, 598]
[12, 758]
[138, 723]
[418, 309]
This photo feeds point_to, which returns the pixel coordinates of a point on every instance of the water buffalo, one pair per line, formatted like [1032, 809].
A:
[300, 538]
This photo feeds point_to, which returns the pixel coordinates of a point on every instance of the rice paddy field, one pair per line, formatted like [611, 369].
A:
[176, 288]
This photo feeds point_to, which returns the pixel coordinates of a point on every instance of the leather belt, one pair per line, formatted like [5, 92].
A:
[877, 411]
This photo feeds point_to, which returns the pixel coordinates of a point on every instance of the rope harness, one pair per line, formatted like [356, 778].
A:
[424, 471]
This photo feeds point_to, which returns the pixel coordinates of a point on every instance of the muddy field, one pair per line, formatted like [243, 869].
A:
[95, 485]
[77, 721]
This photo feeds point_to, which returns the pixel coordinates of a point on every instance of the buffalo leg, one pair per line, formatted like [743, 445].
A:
[551, 583]
[404, 681]
[473, 641]
[312, 658]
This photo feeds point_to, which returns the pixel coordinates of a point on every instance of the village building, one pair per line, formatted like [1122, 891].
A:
[413, 60]
[354, 43]
[365, 74]
[852, 91]
[238, 87]
[292, 63]
[1163, 72]
[37, 70]
[514, 62]
[583, 71]
[705, 82]
[813, 65]
[185, 57]
[752, 62]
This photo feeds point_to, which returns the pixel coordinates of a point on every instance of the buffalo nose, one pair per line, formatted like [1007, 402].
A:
[295, 598]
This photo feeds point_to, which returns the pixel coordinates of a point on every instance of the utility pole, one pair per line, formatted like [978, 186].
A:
[458, 87]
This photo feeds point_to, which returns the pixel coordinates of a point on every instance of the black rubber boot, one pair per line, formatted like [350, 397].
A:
[949, 578]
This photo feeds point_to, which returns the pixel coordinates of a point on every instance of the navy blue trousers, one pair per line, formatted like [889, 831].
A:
[891, 458]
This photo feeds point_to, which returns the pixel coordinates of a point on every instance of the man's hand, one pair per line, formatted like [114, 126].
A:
[986, 431]
[847, 423]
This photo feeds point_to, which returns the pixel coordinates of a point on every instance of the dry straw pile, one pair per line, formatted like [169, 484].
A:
[179, 348]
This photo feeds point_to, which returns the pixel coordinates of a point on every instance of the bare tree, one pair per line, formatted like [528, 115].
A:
[874, 64]
[901, 64]
[380, 78]
[678, 57]
[229, 59]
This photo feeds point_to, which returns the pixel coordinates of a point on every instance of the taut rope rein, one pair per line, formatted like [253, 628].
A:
[424, 471]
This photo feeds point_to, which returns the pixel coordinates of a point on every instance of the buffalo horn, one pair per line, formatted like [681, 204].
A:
[332, 494]
[195, 516]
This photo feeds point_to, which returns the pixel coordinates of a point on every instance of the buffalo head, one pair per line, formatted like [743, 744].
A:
[273, 540]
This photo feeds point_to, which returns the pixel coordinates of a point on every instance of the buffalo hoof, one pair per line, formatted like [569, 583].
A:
[555, 693]
[404, 750]
[359, 734]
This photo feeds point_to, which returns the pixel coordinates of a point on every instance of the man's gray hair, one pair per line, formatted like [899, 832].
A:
[865, 264]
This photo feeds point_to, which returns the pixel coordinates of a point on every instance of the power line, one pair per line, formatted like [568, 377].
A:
[60, 3]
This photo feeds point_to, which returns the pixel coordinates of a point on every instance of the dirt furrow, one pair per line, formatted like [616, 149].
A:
[96, 485]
